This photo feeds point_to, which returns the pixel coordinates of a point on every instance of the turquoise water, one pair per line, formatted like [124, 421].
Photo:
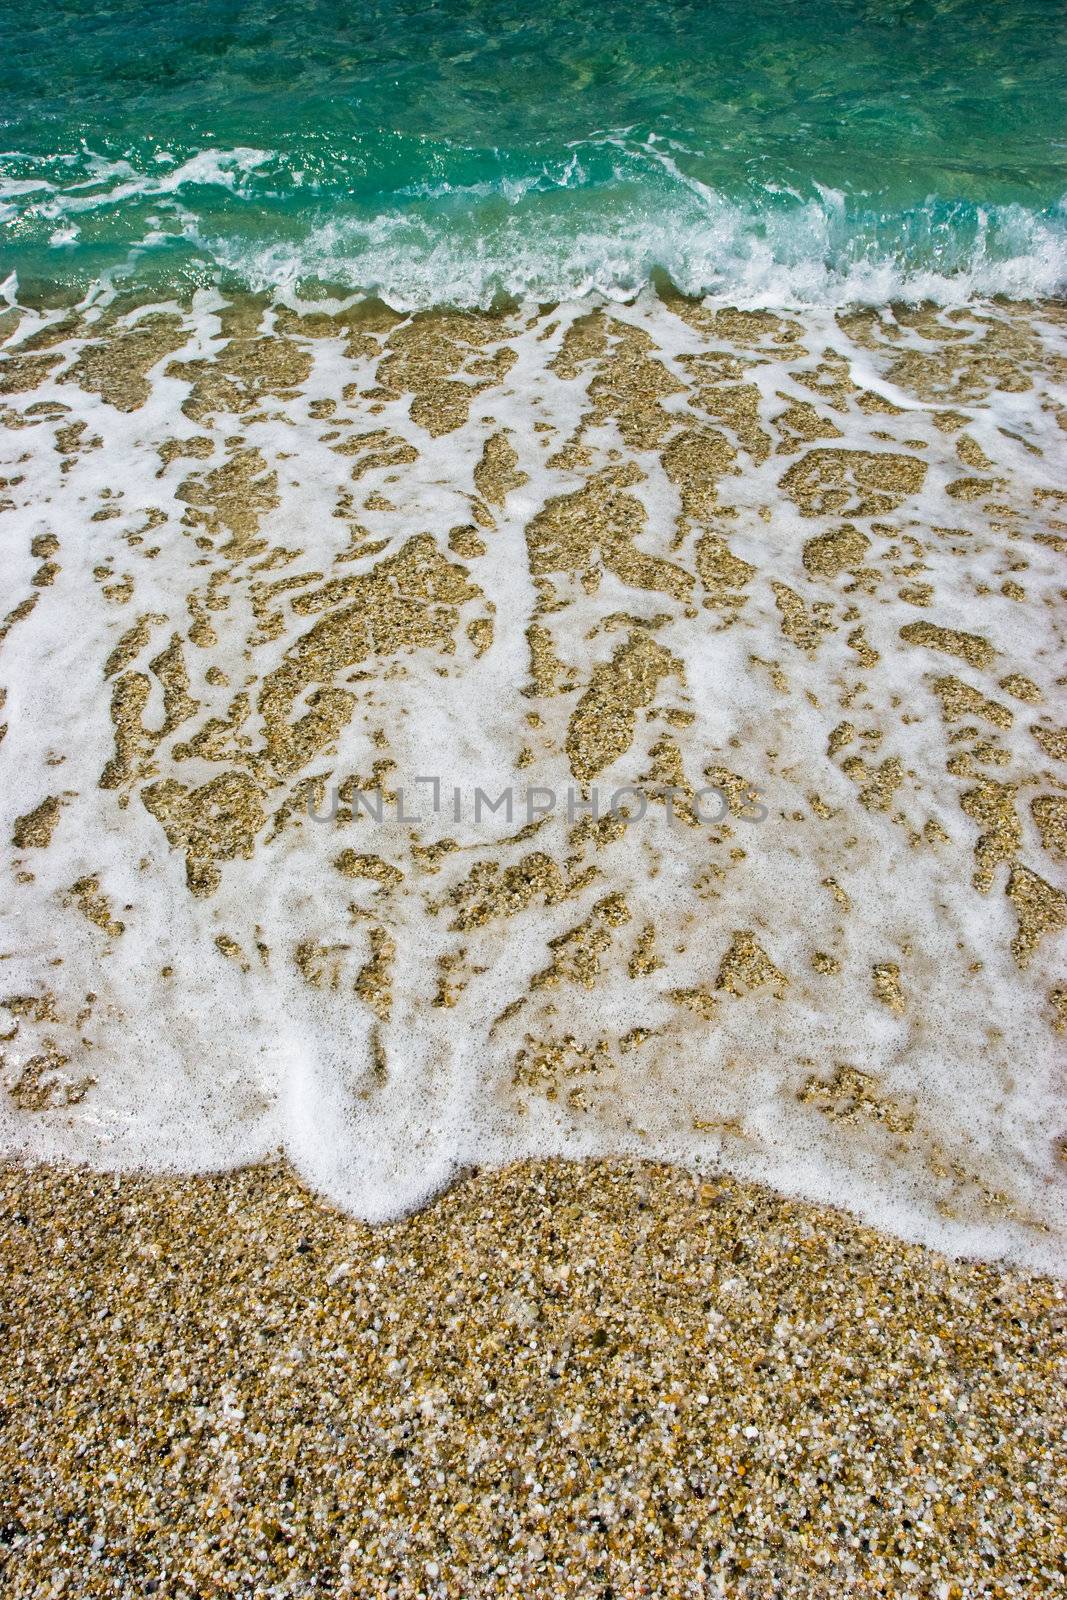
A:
[793, 151]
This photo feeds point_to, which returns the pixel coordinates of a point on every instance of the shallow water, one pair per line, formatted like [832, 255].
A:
[789, 589]
[783, 152]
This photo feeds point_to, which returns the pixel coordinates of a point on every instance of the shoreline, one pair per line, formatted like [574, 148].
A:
[790, 585]
[332, 297]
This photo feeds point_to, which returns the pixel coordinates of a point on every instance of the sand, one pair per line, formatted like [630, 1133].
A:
[597, 1379]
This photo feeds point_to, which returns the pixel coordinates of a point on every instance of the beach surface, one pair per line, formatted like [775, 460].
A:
[602, 1379]
[533, 800]
[415, 1195]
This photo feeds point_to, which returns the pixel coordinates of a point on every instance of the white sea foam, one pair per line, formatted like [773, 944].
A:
[737, 254]
[116, 183]
[557, 229]
[201, 1060]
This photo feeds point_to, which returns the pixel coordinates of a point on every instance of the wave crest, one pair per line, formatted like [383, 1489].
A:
[423, 227]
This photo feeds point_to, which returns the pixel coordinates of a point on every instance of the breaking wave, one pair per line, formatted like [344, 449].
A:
[446, 225]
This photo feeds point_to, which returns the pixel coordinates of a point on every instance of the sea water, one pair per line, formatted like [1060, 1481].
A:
[464, 697]
[459, 151]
